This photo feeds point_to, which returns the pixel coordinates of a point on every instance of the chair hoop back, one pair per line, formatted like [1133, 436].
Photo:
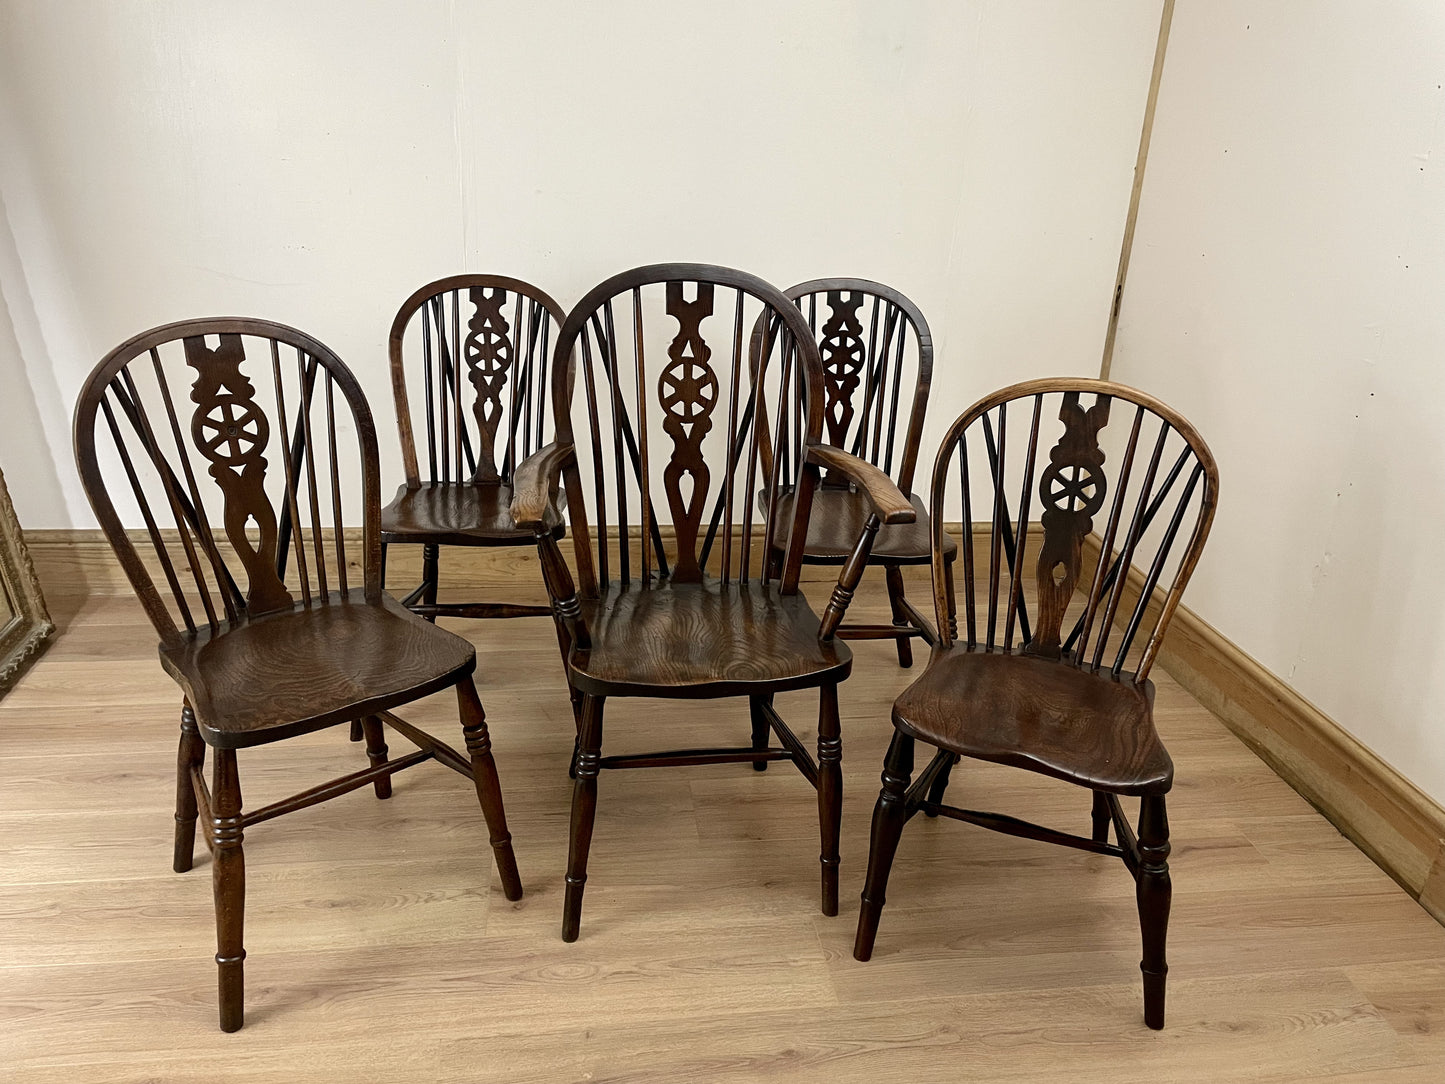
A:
[674, 419]
[1096, 555]
[478, 350]
[244, 503]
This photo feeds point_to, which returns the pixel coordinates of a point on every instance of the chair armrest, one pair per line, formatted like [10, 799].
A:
[534, 487]
[886, 498]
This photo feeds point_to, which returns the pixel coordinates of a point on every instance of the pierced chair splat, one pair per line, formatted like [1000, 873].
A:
[706, 616]
[1048, 672]
[268, 605]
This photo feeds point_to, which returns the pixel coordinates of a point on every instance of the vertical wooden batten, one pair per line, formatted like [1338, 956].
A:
[1166, 17]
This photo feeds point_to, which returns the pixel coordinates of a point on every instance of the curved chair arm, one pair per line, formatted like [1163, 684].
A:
[889, 506]
[888, 501]
[534, 487]
[534, 507]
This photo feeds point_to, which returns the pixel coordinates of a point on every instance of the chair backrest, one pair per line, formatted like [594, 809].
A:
[1039, 487]
[475, 350]
[244, 503]
[877, 356]
[661, 352]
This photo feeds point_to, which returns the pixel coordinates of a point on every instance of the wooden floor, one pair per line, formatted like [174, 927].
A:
[381, 948]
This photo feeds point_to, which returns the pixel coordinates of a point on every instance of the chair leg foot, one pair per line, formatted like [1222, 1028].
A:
[376, 751]
[762, 731]
[1154, 894]
[901, 620]
[830, 793]
[190, 754]
[489, 786]
[889, 817]
[228, 878]
[584, 814]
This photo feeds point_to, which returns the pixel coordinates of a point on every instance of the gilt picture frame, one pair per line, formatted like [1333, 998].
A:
[25, 624]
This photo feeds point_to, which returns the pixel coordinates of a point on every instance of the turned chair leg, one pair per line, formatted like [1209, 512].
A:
[191, 754]
[1101, 817]
[830, 792]
[430, 576]
[901, 620]
[762, 729]
[584, 813]
[376, 751]
[1154, 894]
[489, 787]
[889, 817]
[940, 784]
[228, 882]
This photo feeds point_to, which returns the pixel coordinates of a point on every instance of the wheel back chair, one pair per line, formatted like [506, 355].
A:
[877, 357]
[703, 617]
[479, 358]
[272, 620]
[1047, 674]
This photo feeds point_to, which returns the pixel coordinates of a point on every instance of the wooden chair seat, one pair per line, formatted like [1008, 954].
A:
[454, 514]
[1033, 713]
[317, 665]
[703, 640]
[837, 520]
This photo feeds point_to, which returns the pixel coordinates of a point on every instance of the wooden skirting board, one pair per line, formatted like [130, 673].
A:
[1397, 825]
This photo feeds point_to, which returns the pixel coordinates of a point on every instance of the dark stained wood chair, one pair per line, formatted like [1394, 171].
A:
[270, 608]
[703, 617]
[1047, 675]
[877, 356]
[475, 352]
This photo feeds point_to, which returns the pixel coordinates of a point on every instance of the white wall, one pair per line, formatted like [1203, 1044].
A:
[1287, 294]
[313, 163]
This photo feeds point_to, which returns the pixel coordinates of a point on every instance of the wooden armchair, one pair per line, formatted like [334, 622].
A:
[272, 620]
[475, 351]
[877, 357]
[1067, 693]
[692, 611]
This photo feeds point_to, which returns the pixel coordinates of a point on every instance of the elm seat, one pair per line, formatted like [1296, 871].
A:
[837, 520]
[703, 640]
[1033, 713]
[454, 514]
[325, 664]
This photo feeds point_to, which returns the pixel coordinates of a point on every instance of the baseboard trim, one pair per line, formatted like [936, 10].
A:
[1400, 827]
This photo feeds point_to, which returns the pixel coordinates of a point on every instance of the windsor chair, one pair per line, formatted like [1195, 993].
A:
[877, 357]
[275, 623]
[701, 617]
[1067, 694]
[481, 354]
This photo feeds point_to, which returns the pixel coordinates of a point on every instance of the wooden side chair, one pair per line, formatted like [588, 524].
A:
[1047, 674]
[877, 357]
[246, 449]
[694, 612]
[475, 351]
